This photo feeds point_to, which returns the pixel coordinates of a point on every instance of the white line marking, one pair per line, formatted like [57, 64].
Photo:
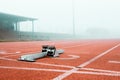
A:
[72, 57]
[7, 59]
[40, 63]
[65, 66]
[5, 52]
[39, 51]
[76, 45]
[117, 62]
[62, 42]
[18, 52]
[2, 52]
[22, 54]
[56, 65]
[56, 70]
[37, 69]
[100, 70]
[62, 76]
[95, 73]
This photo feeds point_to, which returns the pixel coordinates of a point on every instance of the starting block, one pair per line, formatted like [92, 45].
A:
[47, 50]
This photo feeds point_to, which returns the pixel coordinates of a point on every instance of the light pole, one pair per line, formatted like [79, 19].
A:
[73, 14]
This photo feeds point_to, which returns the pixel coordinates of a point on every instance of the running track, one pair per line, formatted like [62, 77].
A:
[82, 60]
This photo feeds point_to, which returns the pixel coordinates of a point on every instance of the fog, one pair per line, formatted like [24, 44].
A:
[92, 18]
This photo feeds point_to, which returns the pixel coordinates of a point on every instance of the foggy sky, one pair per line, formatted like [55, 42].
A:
[92, 17]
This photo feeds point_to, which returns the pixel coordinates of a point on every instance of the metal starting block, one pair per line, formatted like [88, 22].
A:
[47, 50]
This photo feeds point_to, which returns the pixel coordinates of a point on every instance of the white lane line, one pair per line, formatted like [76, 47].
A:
[3, 58]
[95, 73]
[65, 66]
[5, 52]
[40, 63]
[77, 45]
[22, 54]
[63, 42]
[2, 52]
[116, 62]
[72, 57]
[62, 76]
[56, 65]
[56, 70]
[18, 52]
[39, 51]
[100, 70]
[37, 69]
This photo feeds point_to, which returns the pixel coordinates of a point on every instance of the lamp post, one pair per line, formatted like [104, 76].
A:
[73, 14]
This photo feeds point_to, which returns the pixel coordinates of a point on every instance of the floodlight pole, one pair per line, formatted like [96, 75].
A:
[73, 13]
[32, 29]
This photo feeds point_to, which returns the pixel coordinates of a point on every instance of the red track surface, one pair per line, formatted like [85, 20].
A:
[82, 60]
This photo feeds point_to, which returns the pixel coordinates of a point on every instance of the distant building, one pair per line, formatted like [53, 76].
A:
[10, 24]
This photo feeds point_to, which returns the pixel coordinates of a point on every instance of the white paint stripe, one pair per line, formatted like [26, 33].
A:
[7, 59]
[37, 69]
[2, 52]
[76, 45]
[100, 70]
[97, 57]
[113, 73]
[117, 62]
[5, 52]
[64, 66]
[56, 70]
[63, 42]
[22, 54]
[39, 51]
[62, 76]
[96, 73]
[18, 52]
[72, 57]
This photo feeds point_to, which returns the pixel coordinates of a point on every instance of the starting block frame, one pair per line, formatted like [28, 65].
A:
[46, 51]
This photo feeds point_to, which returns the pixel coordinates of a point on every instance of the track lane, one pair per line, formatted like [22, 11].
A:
[66, 74]
[92, 50]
